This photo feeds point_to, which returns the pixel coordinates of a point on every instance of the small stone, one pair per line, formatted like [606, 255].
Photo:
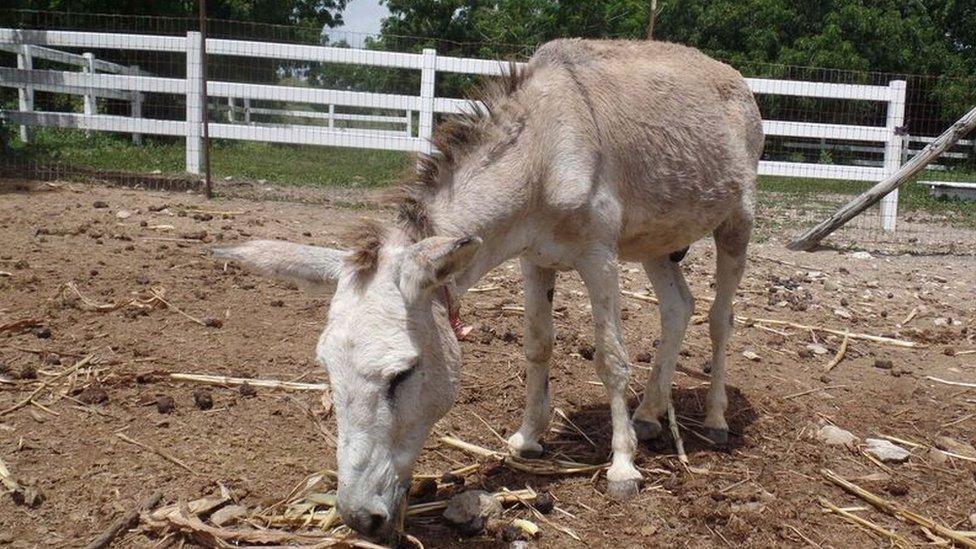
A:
[142, 279]
[470, 511]
[886, 451]
[52, 359]
[972, 520]
[28, 371]
[195, 235]
[817, 349]
[451, 478]
[203, 399]
[29, 496]
[165, 404]
[936, 456]
[277, 303]
[93, 394]
[951, 445]
[247, 390]
[99, 204]
[520, 544]
[862, 255]
[422, 491]
[43, 332]
[544, 503]
[228, 515]
[213, 322]
[883, 364]
[896, 488]
[644, 357]
[751, 356]
[843, 313]
[123, 214]
[587, 351]
[835, 436]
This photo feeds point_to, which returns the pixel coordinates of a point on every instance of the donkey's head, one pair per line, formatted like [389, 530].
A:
[391, 356]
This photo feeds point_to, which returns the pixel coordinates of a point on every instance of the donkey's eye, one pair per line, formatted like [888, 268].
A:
[399, 378]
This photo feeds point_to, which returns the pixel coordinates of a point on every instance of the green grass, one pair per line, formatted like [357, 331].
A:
[242, 160]
[342, 167]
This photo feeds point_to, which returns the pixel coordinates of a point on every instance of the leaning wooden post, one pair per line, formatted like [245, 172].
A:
[90, 104]
[957, 131]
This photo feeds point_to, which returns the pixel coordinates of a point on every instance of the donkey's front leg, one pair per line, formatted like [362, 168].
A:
[539, 288]
[599, 273]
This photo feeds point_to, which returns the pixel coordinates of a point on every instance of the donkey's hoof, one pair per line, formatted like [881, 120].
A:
[533, 452]
[646, 430]
[719, 437]
[622, 490]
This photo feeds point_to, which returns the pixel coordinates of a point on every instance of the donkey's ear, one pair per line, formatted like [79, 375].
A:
[297, 262]
[432, 262]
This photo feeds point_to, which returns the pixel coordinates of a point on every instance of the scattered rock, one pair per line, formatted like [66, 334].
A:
[28, 371]
[835, 436]
[228, 515]
[213, 323]
[277, 303]
[43, 332]
[99, 204]
[29, 496]
[247, 390]
[587, 351]
[165, 404]
[51, 359]
[203, 399]
[862, 255]
[954, 446]
[644, 357]
[93, 394]
[936, 456]
[817, 349]
[972, 520]
[423, 491]
[158, 207]
[544, 503]
[470, 511]
[896, 488]
[123, 214]
[751, 356]
[194, 235]
[884, 364]
[886, 451]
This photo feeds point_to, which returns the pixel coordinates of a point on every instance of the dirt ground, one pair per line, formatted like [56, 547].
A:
[116, 245]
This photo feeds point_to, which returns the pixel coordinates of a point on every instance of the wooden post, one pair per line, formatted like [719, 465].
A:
[25, 95]
[230, 110]
[194, 104]
[208, 189]
[91, 107]
[957, 131]
[893, 150]
[425, 129]
[136, 111]
[650, 20]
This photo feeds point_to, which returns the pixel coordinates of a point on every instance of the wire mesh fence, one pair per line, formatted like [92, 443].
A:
[115, 98]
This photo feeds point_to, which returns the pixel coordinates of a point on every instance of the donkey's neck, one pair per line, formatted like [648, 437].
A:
[492, 213]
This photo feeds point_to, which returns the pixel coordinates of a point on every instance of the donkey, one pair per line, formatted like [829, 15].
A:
[596, 152]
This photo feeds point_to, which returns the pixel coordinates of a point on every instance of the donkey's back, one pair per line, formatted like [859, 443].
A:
[674, 135]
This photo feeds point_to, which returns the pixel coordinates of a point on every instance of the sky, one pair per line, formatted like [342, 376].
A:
[362, 18]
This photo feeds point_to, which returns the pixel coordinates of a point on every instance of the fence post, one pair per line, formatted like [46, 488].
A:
[428, 76]
[137, 100]
[331, 116]
[409, 122]
[247, 111]
[231, 115]
[90, 106]
[25, 95]
[194, 104]
[893, 149]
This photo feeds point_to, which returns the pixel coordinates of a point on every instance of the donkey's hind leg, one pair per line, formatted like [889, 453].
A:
[538, 336]
[676, 306]
[731, 240]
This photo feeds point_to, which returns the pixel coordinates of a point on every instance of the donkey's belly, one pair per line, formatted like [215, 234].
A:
[652, 240]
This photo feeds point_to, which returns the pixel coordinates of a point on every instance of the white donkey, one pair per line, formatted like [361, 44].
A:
[598, 151]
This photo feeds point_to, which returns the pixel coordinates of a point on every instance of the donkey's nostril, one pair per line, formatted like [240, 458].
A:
[376, 521]
[365, 522]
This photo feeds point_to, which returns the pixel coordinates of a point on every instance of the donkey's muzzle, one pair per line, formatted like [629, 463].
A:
[372, 523]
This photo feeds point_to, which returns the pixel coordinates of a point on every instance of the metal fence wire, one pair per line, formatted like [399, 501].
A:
[113, 98]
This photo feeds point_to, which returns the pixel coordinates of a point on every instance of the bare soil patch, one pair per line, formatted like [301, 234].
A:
[119, 248]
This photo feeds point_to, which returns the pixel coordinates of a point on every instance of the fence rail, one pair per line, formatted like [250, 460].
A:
[105, 79]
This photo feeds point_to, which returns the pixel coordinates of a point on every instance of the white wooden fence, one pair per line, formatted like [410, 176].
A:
[102, 79]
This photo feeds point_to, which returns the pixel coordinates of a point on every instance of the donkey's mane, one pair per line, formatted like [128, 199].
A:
[452, 140]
